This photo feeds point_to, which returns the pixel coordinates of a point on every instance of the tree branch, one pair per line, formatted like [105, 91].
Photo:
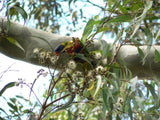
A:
[30, 38]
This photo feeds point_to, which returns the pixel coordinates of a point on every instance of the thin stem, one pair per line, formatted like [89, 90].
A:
[44, 105]
[57, 100]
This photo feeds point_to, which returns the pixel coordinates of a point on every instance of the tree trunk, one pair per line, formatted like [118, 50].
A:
[29, 38]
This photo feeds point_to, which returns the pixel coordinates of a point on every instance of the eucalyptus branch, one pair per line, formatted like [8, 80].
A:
[96, 5]
[50, 89]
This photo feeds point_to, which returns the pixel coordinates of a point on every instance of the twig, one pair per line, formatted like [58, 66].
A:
[57, 100]
[49, 93]
[6, 70]
[33, 93]
[96, 5]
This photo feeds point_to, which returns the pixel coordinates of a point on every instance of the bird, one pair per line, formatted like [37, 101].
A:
[71, 47]
[77, 50]
[63, 47]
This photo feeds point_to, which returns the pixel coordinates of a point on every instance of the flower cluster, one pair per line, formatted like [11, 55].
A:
[44, 56]
[77, 80]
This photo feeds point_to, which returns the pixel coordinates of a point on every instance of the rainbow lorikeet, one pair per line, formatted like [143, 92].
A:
[77, 49]
[71, 47]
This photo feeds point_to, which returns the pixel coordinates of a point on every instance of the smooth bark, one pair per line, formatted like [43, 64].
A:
[30, 38]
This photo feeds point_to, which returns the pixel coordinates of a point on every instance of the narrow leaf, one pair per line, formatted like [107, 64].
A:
[98, 85]
[87, 30]
[157, 56]
[9, 85]
[81, 56]
[92, 86]
[152, 90]
[142, 55]
[13, 41]
[122, 18]
[14, 107]
[130, 111]
[140, 18]
[133, 82]
[104, 48]
[21, 11]
[3, 111]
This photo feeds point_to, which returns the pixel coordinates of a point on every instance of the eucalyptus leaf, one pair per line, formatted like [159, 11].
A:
[104, 48]
[21, 11]
[13, 41]
[157, 56]
[130, 111]
[142, 55]
[98, 85]
[133, 82]
[87, 30]
[152, 90]
[9, 85]
[122, 18]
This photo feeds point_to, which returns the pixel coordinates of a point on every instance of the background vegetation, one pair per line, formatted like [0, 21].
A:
[108, 91]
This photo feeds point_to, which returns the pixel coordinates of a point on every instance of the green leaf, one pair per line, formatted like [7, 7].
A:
[104, 95]
[125, 2]
[9, 85]
[140, 18]
[13, 100]
[148, 116]
[149, 36]
[87, 30]
[157, 56]
[37, 13]
[133, 82]
[122, 18]
[81, 56]
[118, 118]
[98, 86]
[130, 111]
[13, 41]
[21, 97]
[14, 107]
[8, 21]
[123, 9]
[107, 97]
[21, 11]
[152, 90]
[139, 102]
[142, 55]
[3, 111]
[104, 48]
[27, 111]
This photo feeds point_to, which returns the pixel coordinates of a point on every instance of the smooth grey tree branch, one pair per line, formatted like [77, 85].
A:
[30, 38]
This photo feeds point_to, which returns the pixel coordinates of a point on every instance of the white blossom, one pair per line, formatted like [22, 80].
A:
[42, 54]
[100, 69]
[69, 71]
[97, 56]
[72, 64]
[104, 61]
[120, 100]
[48, 54]
[54, 59]
[36, 50]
